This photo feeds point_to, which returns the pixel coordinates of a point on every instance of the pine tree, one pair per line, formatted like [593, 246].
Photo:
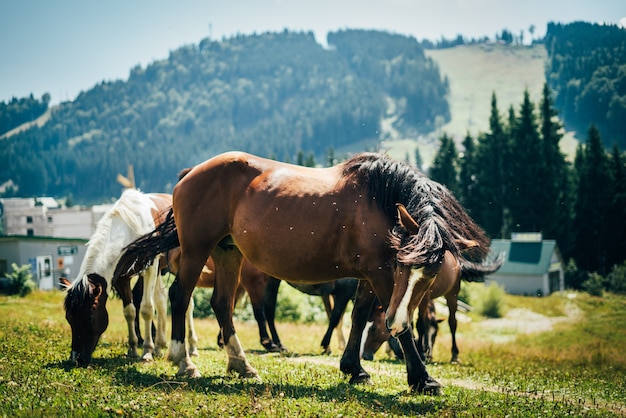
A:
[444, 165]
[490, 164]
[617, 212]
[556, 185]
[467, 176]
[524, 182]
[592, 206]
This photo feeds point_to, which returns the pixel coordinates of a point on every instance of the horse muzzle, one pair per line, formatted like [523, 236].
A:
[79, 360]
[396, 327]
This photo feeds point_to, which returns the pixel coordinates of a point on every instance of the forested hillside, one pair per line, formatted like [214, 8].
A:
[275, 95]
[587, 71]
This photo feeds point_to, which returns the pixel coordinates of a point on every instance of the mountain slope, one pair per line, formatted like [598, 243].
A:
[474, 72]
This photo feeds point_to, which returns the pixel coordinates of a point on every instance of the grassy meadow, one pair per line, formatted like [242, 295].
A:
[561, 355]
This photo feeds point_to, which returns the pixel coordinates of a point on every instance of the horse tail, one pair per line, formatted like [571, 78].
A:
[476, 272]
[139, 254]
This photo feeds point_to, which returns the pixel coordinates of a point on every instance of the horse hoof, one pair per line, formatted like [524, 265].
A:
[362, 378]
[194, 353]
[147, 358]
[191, 372]
[326, 351]
[429, 387]
[246, 371]
[270, 347]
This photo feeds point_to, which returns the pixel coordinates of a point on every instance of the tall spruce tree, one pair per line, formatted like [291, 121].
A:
[444, 165]
[617, 212]
[524, 172]
[594, 196]
[556, 190]
[491, 156]
[468, 193]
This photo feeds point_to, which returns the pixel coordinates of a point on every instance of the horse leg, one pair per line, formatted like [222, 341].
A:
[256, 287]
[351, 360]
[122, 286]
[422, 325]
[228, 260]
[341, 300]
[270, 294]
[146, 310]
[137, 296]
[452, 307]
[181, 290]
[191, 332]
[160, 303]
[418, 378]
[328, 307]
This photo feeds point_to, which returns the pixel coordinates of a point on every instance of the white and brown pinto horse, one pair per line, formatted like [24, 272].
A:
[133, 215]
[370, 217]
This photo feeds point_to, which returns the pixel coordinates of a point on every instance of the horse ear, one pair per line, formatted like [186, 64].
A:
[65, 283]
[97, 285]
[466, 244]
[406, 220]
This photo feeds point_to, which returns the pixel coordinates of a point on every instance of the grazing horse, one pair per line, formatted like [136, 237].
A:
[447, 284]
[263, 290]
[342, 291]
[133, 215]
[370, 218]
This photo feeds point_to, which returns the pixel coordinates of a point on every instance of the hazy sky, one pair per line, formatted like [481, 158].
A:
[65, 46]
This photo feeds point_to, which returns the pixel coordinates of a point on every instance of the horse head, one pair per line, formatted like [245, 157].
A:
[85, 311]
[421, 255]
[377, 333]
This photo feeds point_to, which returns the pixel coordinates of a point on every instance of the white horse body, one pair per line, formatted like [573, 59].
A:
[130, 218]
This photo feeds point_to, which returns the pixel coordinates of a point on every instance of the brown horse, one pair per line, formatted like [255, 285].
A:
[263, 290]
[447, 284]
[370, 217]
[133, 215]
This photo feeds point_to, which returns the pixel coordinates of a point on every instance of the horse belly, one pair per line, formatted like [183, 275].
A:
[306, 247]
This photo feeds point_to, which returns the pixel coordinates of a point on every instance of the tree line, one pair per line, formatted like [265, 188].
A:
[272, 94]
[514, 178]
[587, 71]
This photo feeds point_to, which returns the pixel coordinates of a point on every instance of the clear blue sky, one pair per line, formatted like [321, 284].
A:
[65, 46]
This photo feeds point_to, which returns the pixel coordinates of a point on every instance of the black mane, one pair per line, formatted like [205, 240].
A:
[443, 222]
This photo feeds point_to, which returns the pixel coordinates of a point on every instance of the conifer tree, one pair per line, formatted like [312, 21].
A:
[468, 193]
[617, 211]
[444, 165]
[490, 165]
[592, 206]
[524, 172]
[556, 186]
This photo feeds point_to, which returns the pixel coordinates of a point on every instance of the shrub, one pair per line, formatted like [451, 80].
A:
[202, 303]
[574, 278]
[19, 280]
[487, 300]
[594, 285]
[617, 279]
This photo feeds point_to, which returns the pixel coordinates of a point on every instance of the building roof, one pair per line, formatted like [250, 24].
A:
[524, 257]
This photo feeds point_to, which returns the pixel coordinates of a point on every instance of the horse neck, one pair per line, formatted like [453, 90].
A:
[105, 247]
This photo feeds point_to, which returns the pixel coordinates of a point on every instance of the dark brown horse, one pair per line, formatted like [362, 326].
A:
[447, 284]
[370, 217]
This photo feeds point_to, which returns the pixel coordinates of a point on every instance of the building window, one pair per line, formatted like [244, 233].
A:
[29, 219]
[49, 219]
[30, 232]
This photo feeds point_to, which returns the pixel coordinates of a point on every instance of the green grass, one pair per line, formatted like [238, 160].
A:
[578, 368]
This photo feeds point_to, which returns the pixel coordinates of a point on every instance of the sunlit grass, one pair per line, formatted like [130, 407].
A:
[577, 368]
